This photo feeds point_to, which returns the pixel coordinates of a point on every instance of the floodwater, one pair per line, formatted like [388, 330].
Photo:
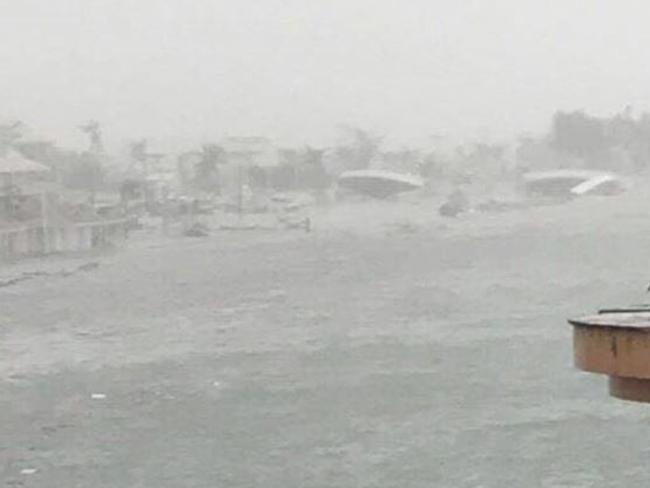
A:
[359, 355]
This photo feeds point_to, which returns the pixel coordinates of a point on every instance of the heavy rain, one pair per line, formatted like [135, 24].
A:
[283, 243]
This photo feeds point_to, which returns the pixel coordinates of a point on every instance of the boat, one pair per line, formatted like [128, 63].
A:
[568, 183]
[379, 183]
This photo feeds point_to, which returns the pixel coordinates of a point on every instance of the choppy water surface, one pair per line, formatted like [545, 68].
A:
[434, 358]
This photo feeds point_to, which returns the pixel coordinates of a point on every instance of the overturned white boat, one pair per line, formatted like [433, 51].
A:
[379, 183]
[573, 183]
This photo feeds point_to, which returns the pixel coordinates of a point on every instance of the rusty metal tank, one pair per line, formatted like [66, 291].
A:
[616, 342]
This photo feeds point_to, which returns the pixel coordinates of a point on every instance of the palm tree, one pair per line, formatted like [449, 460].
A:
[10, 134]
[94, 132]
[360, 148]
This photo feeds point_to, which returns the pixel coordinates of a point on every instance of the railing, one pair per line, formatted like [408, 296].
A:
[36, 240]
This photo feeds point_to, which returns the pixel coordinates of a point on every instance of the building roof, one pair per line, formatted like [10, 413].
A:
[247, 144]
[258, 151]
[12, 163]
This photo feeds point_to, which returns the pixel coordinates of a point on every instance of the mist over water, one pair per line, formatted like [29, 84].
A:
[185, 73]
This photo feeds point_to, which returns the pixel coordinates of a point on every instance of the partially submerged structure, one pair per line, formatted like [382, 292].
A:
[36, 219]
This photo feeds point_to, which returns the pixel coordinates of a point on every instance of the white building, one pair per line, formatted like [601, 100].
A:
[250, 151]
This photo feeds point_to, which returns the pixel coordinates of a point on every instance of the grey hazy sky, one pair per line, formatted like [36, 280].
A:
[293, 69]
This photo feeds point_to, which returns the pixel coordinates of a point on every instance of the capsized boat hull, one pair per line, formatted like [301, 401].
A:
[379, 184]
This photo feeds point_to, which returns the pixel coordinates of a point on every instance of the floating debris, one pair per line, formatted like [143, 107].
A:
[197, 230]
[277, 294]
[88, 266]
[29, 275]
